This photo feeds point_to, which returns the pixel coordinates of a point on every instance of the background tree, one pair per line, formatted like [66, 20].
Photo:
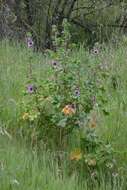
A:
[91, 20]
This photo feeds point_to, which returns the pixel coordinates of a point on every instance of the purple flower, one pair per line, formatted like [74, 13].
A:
[77, 92]
[55, 64]
[95, 51]
[31, 89]
[29, 42]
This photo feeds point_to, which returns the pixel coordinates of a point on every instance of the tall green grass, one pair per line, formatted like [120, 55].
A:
[22, 168]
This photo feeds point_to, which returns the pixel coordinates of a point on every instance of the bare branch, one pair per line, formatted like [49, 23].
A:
[71, 8]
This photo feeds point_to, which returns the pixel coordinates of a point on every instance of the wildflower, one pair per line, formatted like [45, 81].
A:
[31, 89]
[93, 174]
[109, 165]
[55, 65]
[33, 116]
[92, 162]
[69, 109]
[25, 116]
[76, 155]
[95, 51]
[29, 42]
[77, 92]
[115, 174]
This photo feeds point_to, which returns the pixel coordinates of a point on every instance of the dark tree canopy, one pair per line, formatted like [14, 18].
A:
[91, 20]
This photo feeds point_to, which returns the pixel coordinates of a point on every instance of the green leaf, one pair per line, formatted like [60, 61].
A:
[62, 123]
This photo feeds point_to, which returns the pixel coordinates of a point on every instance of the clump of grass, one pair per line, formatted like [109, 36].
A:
[22, 168]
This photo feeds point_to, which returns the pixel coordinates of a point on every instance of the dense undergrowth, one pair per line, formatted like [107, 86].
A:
[69, 109]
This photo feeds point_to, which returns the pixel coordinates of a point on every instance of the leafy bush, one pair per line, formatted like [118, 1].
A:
[62, 103]
[66, 103]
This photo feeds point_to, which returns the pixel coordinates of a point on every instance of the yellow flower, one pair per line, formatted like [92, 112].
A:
[76, 155]
[25, 116]
[69, 110]
[93, 125]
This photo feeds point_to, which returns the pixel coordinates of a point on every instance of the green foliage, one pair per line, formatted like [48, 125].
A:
[56, 108]
[94, 156]
[91, 21]
[93, 146]
[23, 168]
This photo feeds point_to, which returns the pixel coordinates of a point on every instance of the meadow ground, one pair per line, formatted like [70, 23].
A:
[24, 168]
